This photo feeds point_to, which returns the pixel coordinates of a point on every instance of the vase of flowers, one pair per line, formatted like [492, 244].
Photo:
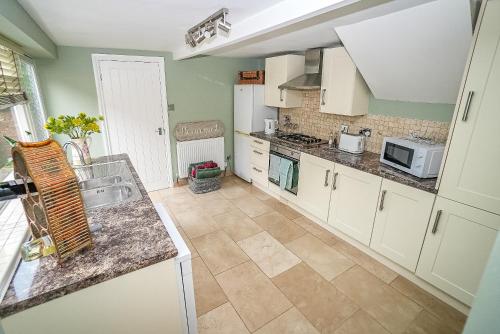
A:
[78, 128]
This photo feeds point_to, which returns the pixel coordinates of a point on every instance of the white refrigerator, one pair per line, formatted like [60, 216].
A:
[249, 115]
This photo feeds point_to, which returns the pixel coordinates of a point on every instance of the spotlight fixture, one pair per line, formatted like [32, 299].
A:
[208, 28]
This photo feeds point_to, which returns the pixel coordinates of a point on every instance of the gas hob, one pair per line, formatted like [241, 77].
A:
[301, 140]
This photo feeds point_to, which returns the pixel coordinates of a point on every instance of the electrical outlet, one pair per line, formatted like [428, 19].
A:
[344, 128]
[367, 132]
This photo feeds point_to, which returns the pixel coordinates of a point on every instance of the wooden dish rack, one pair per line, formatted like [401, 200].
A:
[57, 209]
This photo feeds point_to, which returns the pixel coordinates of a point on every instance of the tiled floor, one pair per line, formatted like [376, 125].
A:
[260, 266]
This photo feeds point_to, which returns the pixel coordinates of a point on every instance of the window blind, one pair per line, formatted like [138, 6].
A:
[10, 87]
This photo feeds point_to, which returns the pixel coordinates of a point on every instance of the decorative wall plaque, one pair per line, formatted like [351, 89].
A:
[198, 130]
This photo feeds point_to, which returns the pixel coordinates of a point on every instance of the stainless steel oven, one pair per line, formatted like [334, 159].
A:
[282, 152]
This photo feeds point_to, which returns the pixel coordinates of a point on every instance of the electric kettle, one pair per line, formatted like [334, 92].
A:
[270, 126]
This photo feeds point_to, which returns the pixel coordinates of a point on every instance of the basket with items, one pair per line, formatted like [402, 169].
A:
[204, 177]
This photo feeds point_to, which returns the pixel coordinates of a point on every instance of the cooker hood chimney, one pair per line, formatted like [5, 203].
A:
[311, 79]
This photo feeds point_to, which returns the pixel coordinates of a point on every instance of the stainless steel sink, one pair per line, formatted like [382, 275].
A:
[100, 182]
[108, 195]
[106, 184]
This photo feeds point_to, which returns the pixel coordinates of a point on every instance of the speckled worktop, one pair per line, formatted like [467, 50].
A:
[368, 162]
[132, 237]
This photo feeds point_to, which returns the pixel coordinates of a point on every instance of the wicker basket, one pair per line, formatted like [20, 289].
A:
[201, 186]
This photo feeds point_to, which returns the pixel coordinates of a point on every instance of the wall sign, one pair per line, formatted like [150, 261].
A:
[198, 130]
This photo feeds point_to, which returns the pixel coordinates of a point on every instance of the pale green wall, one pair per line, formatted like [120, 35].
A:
[430, 111]
[484, 317]
[200, 88]
[19, 27]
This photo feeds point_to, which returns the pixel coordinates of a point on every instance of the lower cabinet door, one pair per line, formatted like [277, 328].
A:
[400, 223]
[315, 185]
[353, 202]
[457, 247]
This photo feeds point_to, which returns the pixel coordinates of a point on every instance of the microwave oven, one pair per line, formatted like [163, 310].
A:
[415, 156]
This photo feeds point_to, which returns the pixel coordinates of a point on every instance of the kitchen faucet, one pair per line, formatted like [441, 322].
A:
[78, 150]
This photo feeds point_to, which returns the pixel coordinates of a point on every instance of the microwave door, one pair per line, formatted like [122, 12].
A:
[400, 155]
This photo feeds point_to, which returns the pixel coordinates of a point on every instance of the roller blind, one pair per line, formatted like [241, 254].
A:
[10, 87]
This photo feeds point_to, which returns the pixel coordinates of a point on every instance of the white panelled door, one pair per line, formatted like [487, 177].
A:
[132, 98]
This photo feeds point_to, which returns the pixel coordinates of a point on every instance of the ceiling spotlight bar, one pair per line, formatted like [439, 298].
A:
[208, 28]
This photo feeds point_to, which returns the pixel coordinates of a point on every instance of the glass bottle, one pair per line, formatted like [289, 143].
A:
[37, 248]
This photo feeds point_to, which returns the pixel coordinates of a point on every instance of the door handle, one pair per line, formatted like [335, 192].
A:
[160, 131]
[467, 105]
[436, 221]
[281, 95]
[257, 152]
[382, 198]
[323, 91]
[257, 170]
[334, 185]
[326, 177]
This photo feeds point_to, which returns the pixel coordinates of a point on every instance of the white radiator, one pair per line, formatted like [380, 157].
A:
[192, 151]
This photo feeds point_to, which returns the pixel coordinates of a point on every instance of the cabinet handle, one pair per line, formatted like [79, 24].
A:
[326, 177]
[258, 142]
[281, 95]
[467, 106]
[334, 185]
[436, 221]
[257, 152]
[382, 198]
[257, 170]
[323, 91]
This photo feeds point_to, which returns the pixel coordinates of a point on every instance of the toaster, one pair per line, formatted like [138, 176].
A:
[352, 143]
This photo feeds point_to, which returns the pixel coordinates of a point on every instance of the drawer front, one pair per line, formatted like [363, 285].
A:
[259, 174]
[259, 157]
[260, 144]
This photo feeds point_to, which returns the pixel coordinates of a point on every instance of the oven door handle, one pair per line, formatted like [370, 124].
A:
[283, 156]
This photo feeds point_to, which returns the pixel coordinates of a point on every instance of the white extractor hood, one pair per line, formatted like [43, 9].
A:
[417, 54]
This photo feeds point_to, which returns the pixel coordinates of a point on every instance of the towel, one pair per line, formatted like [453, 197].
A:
[274, 167]
[286, 173]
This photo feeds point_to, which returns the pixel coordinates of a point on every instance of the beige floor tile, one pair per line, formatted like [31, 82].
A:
[361, 323]
[179, 203]
[365, 261]
[447, 314]
[290, 322]
[319, 232]
[192, 249]
[216, 206]
[236, 224]
[280, 227]
[271, 256]
[155, 196]
[256, 192]
[389, 307]
[253, 295]
[318, 300]
[195, 222]
[426, 323]
[222, 320]
[231, 190]
[251, 206]
[207, 292]
[325, 260]
[219, 251]
[284, 209]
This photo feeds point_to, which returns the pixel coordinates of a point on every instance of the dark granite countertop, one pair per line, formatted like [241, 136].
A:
[368, 162]
[132, 237]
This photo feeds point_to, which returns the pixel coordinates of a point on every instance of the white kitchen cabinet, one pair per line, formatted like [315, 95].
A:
[353, 202]
[343, 89]
[456, 248]
[279, 70]
[315, 185]
[401, 222]
[470, 173]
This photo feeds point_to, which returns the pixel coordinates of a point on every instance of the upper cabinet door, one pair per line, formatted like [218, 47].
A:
[470, 172]
[402, 217]
[315, 185]
[343, 89]
[278, 71]
[457, 246]
[353, 202]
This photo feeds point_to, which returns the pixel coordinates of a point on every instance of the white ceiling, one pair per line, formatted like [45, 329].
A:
[130, 24]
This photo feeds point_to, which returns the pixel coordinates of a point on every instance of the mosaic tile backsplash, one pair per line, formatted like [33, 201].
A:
[312, 122]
